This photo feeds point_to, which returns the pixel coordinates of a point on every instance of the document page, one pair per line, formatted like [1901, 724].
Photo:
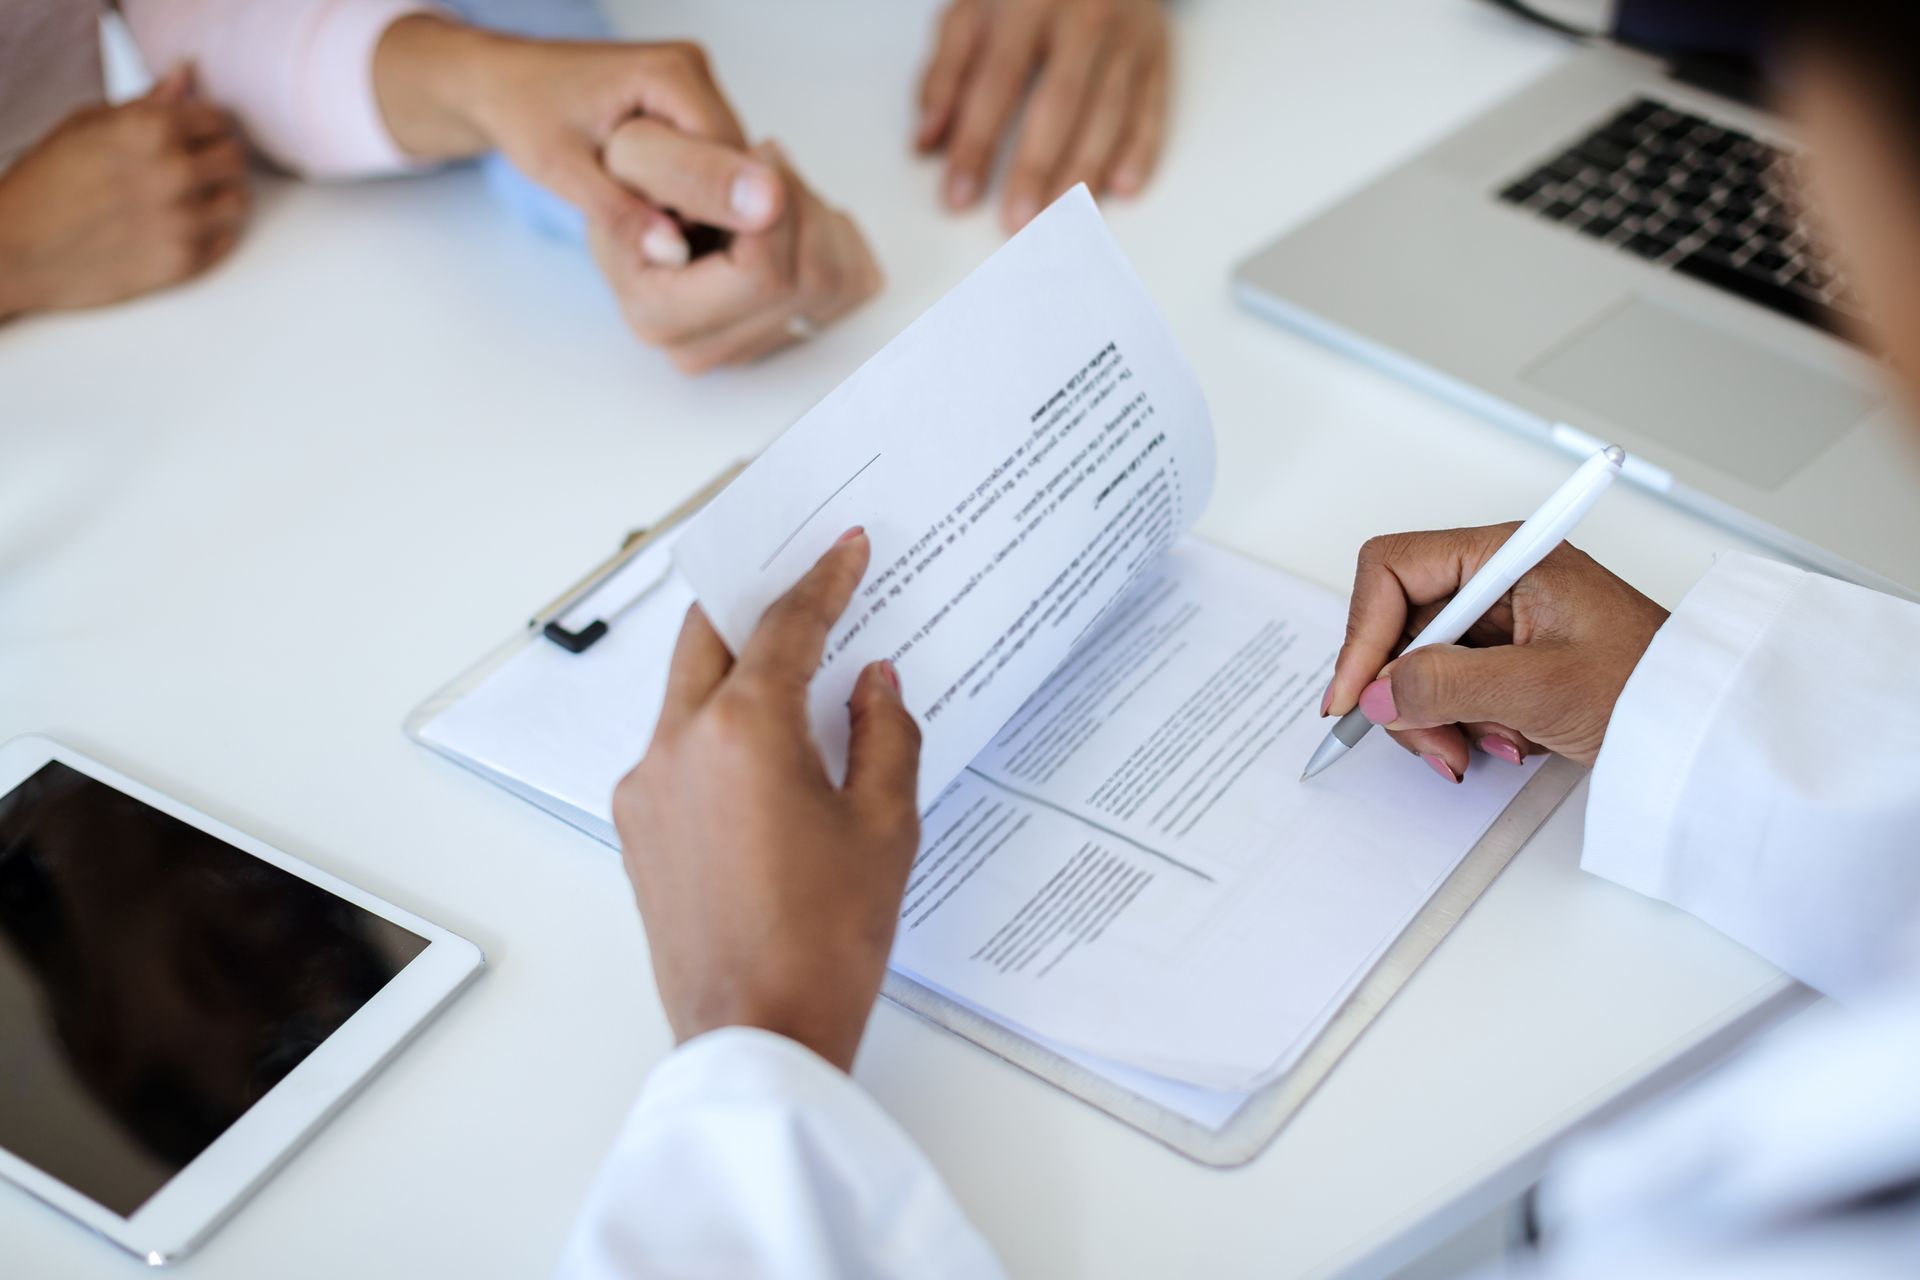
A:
[1132, 867]
[1019, 457]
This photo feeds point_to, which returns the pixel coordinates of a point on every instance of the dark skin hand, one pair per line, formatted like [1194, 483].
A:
[1542, 670]
[120, 201]
[770, 895]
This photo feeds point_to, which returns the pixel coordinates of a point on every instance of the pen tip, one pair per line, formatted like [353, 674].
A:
[1616, 455]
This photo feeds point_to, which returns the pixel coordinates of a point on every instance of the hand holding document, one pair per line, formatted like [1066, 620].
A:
[1115, 858]
[1019, 457]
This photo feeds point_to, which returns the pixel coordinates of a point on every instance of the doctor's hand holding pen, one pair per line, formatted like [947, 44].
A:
[1541, 671]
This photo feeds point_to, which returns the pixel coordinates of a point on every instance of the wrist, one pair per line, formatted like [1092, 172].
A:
[431, 78]
[831, 1033]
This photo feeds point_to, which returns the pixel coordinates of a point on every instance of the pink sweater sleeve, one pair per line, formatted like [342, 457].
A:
[297, 73]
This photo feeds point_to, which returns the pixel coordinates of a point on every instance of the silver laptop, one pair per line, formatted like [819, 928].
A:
[1607, 256]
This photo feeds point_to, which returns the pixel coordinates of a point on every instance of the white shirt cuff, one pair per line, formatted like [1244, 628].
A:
[341, 130]
[1666, 713]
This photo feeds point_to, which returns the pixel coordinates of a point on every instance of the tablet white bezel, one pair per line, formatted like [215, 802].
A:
[195, 1201]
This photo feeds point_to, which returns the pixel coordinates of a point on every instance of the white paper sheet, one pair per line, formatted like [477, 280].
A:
[1312, 881]
[1018, 456]
[1118, 859]
[1132, 868]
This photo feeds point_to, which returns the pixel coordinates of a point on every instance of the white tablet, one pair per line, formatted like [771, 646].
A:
[180, 1004]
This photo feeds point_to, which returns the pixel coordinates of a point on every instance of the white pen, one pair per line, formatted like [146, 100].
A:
[1544, 530]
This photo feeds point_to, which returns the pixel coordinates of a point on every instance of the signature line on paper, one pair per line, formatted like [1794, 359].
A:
[788, 541]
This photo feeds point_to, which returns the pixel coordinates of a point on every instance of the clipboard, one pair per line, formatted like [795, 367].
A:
[578, 620]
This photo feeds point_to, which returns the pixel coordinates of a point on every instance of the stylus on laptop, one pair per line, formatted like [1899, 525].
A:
[1544, 530]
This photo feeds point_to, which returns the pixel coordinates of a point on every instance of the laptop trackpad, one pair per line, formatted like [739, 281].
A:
[1747, 409]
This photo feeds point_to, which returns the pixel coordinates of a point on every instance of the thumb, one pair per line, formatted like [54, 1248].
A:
[883, 751]
[1522, 686]
[581, 182]
[176, 86]
[703, 181]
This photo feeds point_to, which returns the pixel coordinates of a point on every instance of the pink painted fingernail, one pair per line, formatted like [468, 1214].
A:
[962, 190]
[850, 535]
[1326, 702]
[1376, 702]
[1495, 745]
[1442, 768]
[1023, 210]
[891, 672]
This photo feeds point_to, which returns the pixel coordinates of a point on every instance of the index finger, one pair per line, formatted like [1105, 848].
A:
[787, 646]
[1396, 574]
[940, 84]
[700, 663]
[986, 102]
[1058, 103]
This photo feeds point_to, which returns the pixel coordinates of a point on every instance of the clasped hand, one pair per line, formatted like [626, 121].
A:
[118, 201]
[641, 140]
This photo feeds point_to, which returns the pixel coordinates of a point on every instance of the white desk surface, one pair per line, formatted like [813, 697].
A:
[246, 525]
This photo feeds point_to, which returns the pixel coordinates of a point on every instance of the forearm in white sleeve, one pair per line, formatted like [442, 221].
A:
[748, 1155]
[1762, 770]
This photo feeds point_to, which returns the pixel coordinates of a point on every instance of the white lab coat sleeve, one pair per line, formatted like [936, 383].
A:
[747, 1155]
[1799, 1157]
[1762, 771]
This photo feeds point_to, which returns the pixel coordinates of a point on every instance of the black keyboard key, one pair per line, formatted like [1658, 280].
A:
[1710, 270]
[1683, 225]
[1570, 187]
[1603, 154]
[1653, 179]
[1700, 182]
[1624, 136]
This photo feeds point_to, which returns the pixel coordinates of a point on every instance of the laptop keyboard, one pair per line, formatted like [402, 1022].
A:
[1696, 197]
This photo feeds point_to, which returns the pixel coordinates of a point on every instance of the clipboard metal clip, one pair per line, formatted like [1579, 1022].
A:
[549, 621]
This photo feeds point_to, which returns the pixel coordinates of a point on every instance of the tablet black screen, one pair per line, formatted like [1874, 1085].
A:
[155, 982]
